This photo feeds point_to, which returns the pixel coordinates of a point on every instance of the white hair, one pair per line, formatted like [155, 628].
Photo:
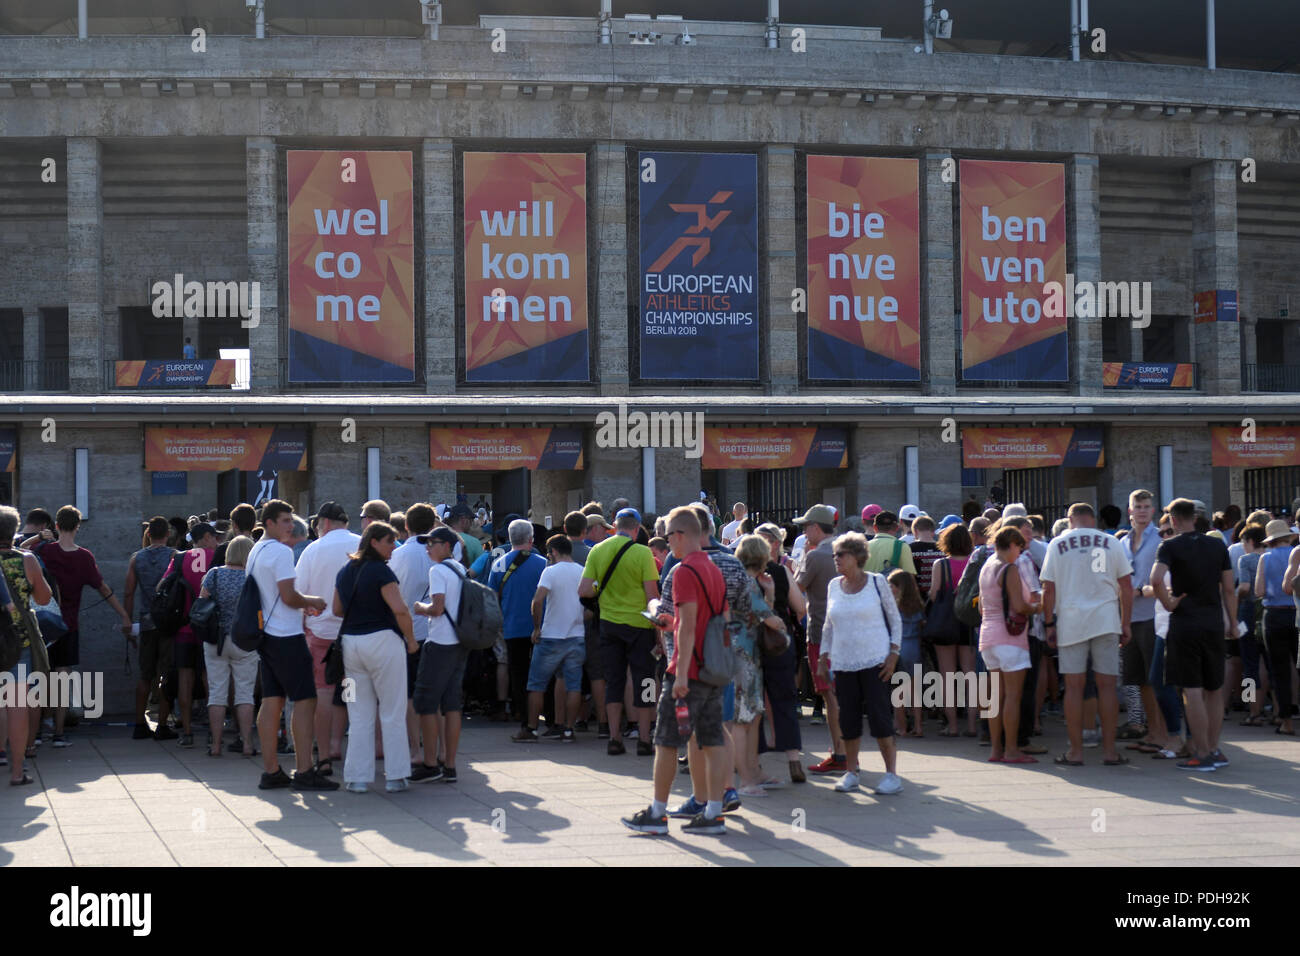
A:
[300, 529]
[521, 531]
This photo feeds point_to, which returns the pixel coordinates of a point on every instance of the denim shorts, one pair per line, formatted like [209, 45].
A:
[566, 655]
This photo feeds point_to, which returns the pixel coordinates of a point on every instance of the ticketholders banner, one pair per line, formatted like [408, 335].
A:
[1144, 375]
[215, 373]
[525, 261]
[763, 448]
[864, 263]
[351, 266]
[1012, 244]
[168, 448]
[1264, 446]
[501, 449]
[1032, 447]
[8, 448]
[698, 265]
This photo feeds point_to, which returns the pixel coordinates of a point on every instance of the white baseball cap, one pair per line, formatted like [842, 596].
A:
[909, 513]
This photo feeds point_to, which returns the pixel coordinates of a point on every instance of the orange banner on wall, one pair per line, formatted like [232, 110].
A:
[502, 449]
[1272, 447]
[864, 251]
[766, 448]
[167, 448]
[1080, 447]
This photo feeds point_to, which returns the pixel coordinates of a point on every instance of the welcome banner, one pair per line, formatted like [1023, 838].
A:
[525, 261]
[213, 373]
[168, 448]
[1032, 447]
[698, 266]
[1143, 375]
[864, 267]
[1012, 244]
[1272, 447]
[351, 266]
[501, 449]
[760, 448]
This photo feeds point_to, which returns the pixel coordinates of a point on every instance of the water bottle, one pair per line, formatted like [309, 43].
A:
[683, 720]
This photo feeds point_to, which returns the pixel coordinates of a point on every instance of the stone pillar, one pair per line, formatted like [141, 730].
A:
[1083, 259]
[85, 266]
[779, 262]
[1135, 344]
[264, 261]
[438, 171]
[1250, 342]
[938, 319]
[1214, 266]
[608, 325]
[33, 343]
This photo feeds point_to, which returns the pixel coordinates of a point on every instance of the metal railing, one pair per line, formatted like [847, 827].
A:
[241, 382]
[1270, 378]
[37, 375]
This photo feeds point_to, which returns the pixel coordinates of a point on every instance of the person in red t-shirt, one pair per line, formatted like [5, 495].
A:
[698, 594]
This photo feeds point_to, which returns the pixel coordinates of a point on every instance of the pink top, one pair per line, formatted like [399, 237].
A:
[993, 628]
[955, 568]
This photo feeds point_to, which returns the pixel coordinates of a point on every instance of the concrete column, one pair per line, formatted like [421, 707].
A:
[1214, 266]
[1083, 258]
[33, 335]
[1135, 344]
[438, 171]
[1250, 341]
[779, 262]
[613, 473]
[85, 266]
[938, 318]
[608, 328]
[264, 261]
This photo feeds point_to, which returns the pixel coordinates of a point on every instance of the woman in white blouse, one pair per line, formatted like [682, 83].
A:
[860, 644]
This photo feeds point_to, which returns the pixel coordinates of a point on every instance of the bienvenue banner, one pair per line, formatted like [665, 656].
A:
[501, 449]
[351, 266]
[698, 266]
[525, 259]
[214, 373]
[168, 448]
[763, 448]
[1012, 244]
[864, 266]
[1032, 447]
[1260, 447]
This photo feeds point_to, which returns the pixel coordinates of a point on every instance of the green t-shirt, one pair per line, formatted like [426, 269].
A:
[885, 547]
[473, 547]
[624, 598]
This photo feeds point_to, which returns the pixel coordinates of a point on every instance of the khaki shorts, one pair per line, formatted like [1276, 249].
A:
[1103, 649]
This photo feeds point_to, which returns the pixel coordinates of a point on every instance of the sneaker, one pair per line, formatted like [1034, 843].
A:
[889, 783]
[141, 732]
[848, 783]
[835, 763]
[1194, 763]
[702, 824]
[730, 800]
[164, 733]
[754, 791]
[397, 786]
[187, 740]
[526, 735]
[274, 781]
[448, 774]
[602, 732]
[632, 733]
[615, 747]
[553, 733]
[425, 774]
[1218, 759]
[60, 741]
[580, 727]
[645, 748]
[355, 787]
[687, 810]
[568, 736]
[644, 822]
[311, 780]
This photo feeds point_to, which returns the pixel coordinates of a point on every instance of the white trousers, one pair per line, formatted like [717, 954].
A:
[376, 666]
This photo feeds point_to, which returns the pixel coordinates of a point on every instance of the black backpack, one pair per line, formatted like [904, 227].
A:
[966, 606]
[478, 621]
[246, 629]
[168, 605]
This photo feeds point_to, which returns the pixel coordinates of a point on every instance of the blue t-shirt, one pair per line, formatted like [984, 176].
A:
[359, 584]
[517, 594]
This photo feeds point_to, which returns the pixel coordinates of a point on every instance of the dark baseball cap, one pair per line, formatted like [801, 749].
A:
[445, 535]
[332, 510]
[461, 511]
[201, 529]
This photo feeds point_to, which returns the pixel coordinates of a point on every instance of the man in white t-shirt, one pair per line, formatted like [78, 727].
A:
[558, 644]
[1087, 607]
[318, 567]
[441, 671]
[286, 659]
[731, 530]
[411, 563]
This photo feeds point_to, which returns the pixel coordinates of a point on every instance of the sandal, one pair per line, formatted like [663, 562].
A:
[1064, 761]
[325, 767]
[1285, 733]
[1131, 733]
[25, 779]
[1164, 755]
[30, 753]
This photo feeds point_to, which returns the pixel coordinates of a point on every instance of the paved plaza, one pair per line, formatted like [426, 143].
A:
[109, 800]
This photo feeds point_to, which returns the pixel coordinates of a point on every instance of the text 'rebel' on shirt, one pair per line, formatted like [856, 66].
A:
[1086, 566]
[271, 562]
[1196, 563]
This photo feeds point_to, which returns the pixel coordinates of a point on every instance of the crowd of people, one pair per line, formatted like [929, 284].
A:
[698, 642]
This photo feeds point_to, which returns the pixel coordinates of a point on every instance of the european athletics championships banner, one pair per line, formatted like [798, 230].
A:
[1012, 243]
[351, 266]
[698, 266]
[525, 260]
[864, 269]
